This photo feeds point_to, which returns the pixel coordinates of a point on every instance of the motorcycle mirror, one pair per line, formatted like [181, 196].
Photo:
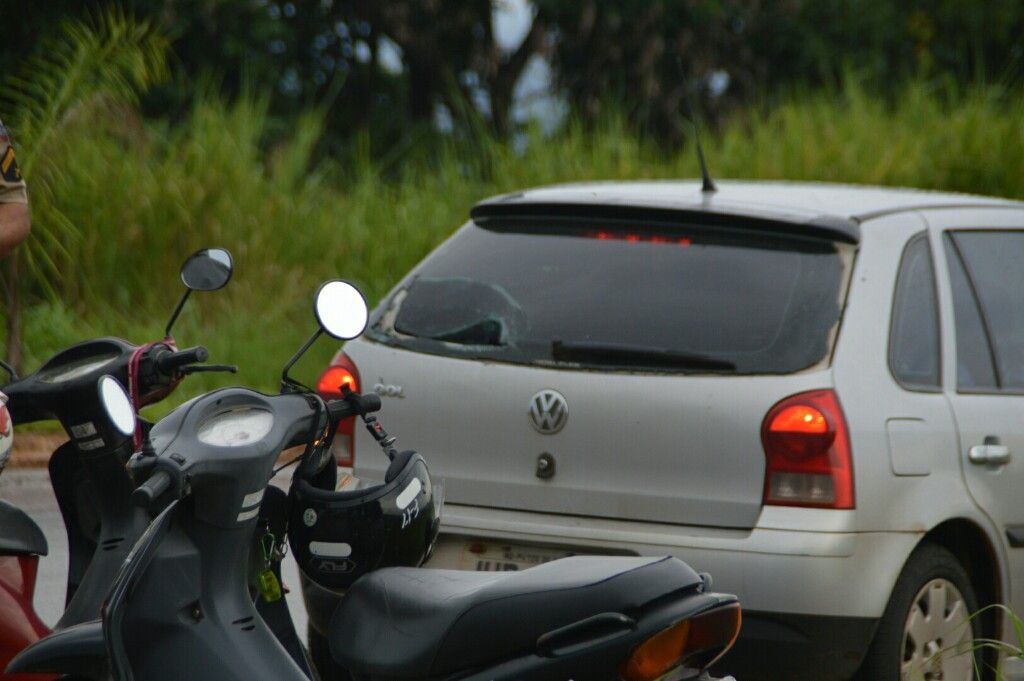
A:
[341, 310]
[117, 405]
[12, 375]
[208, 269]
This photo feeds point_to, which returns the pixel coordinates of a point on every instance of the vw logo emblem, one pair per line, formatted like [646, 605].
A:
[548, 412]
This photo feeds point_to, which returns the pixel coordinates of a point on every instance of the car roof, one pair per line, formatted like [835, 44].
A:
[837, 209]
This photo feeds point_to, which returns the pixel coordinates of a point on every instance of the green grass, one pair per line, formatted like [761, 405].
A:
[144, 195]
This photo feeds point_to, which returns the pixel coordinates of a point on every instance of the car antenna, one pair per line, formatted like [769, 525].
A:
[708, 185]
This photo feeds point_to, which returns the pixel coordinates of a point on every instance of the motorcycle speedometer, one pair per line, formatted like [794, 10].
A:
[236, 427]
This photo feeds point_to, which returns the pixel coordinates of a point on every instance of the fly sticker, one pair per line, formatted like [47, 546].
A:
[253, 499]
[89, 445]
[343, 566]
[248, 515]
[326, 549]
[83, 430]
[410, 492]
[411, 513]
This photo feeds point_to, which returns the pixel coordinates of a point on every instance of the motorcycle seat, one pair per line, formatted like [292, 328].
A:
[19, 534]
[415, 623]
[77, 650]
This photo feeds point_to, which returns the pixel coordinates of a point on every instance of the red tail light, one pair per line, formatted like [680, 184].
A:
[808, 453]
[342, 371]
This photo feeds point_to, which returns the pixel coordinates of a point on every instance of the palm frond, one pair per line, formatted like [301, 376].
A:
[110, 58]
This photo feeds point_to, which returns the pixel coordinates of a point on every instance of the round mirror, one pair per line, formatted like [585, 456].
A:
[117, 405]
[207, 270]
[341, 309]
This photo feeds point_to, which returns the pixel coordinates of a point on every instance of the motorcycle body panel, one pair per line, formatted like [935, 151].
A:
[19, 624]
[19, 534]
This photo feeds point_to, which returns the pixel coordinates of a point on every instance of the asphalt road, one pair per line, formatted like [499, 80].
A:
[29, 489]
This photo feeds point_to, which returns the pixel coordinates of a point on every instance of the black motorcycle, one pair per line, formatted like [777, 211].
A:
[180, 607]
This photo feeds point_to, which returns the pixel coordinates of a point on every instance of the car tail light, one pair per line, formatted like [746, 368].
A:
[808, 453]
[342, 371]
[696, 643]
[635, 238]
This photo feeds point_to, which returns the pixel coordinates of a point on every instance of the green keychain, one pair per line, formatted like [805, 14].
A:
[270, 587]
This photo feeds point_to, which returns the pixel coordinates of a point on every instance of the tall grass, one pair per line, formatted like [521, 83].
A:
[145, 195]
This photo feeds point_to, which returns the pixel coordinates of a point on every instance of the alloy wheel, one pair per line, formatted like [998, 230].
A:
[937, 641]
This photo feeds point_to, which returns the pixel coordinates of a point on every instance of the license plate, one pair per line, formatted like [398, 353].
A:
[493, 557]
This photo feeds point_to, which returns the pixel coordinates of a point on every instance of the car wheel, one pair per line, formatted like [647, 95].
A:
[925, 633]
[319, 650]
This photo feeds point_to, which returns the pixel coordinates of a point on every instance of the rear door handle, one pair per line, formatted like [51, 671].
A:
[990, 455]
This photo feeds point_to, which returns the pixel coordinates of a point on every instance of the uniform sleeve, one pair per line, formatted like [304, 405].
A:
[12, 186]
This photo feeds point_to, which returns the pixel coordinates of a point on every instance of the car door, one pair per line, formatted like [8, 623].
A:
[984, 263]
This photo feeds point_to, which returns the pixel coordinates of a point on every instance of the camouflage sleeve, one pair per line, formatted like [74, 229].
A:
[12, 187]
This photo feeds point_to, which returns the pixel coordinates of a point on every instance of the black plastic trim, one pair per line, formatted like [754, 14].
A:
[795, 647]
[821, 227]
[1015, 535]
[19, 534]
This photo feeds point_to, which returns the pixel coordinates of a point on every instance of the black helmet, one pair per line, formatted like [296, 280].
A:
[338, 536]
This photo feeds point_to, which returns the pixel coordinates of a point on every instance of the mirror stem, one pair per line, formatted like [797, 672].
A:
[177, 311]
[285, 379]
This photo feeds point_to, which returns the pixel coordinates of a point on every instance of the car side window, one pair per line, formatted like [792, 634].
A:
[914, 331]
[992, 263]
[974, 367]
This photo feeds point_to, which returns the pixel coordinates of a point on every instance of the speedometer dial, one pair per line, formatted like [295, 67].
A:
[236, 427]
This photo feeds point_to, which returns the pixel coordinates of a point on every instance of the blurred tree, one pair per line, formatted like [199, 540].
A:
[388, 67]
[86, 67]
[617, 52]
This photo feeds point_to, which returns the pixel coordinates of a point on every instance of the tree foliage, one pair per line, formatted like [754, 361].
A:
[336, 54]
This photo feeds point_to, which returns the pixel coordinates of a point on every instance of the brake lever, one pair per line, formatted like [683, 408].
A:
[208, 368]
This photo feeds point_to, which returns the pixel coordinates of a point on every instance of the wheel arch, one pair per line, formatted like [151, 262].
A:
[970, 544]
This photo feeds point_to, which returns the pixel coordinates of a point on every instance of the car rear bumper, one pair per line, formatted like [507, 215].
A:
[811, 597]
[798, 647]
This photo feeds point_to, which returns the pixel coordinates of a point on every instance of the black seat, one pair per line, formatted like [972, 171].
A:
[413, 623]
[78, 650]
[18, 533]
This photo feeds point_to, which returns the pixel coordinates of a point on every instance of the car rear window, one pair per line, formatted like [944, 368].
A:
[623, 296]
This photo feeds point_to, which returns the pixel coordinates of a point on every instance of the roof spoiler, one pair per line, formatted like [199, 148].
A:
[821, 227]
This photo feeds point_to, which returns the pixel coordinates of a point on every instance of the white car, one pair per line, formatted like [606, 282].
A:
[814, 392]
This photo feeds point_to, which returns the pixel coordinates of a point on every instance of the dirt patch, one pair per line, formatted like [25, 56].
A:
[33, 450]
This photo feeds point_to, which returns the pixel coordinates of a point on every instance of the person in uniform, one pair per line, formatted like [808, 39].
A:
[15, 222]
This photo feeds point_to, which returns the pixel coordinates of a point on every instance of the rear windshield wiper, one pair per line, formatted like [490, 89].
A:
[619, 354]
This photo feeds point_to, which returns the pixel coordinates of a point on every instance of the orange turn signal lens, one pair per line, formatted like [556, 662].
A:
[333, 378]
[696, 642]
[799, 418]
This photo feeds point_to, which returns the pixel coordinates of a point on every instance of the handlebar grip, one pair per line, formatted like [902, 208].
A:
[149, 491]
[169, 362]
[353, 405]
[370, 402]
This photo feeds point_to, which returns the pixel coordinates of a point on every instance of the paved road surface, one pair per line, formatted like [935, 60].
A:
[29, 489]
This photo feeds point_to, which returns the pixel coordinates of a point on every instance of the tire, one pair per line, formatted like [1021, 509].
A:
[320, 652]
[932, 578]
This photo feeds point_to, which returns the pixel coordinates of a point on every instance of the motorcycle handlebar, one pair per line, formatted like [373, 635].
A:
[353, 404]
[149, 491]
[169, 362]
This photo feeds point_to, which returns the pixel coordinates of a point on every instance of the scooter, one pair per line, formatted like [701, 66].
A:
[179, 607]
[92, 486]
